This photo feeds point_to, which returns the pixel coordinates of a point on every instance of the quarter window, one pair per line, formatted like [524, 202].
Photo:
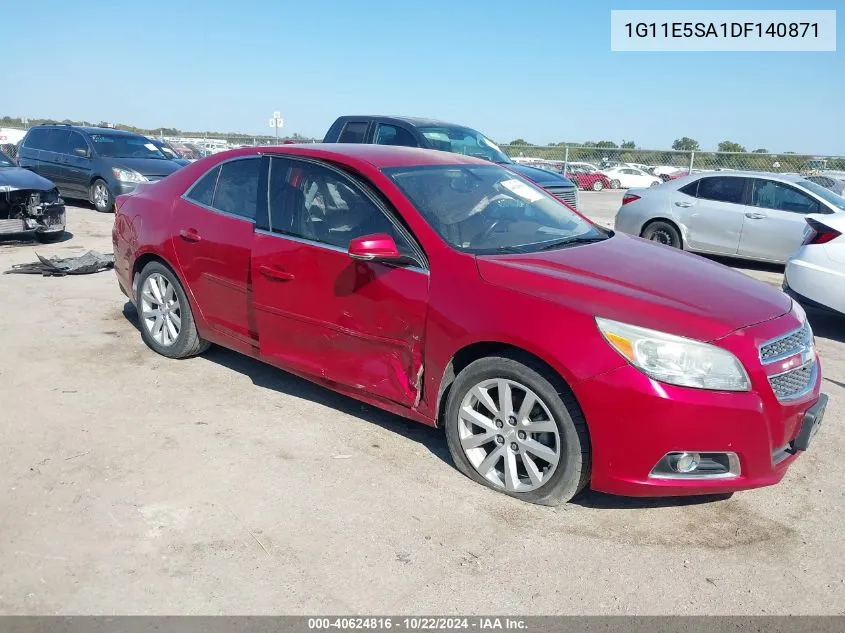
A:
[769, 194]
[318, 204]
[353, 132]
[237, 187]
[203, 191]
[691, 189]
[722, 189]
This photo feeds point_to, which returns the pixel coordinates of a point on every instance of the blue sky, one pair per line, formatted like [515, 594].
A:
[538, 69]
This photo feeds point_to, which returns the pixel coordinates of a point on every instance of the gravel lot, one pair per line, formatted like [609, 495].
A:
[136, 484]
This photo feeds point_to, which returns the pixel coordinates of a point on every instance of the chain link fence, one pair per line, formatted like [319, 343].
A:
[664, 164]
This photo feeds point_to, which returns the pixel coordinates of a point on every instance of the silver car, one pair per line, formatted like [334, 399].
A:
[752, 215]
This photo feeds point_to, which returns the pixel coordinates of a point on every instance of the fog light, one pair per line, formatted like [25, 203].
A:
[687, 462]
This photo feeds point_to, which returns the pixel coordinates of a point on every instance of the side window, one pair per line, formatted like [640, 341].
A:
[316, 203]
[58, 141]
[203, 190]
[75, 142]
[392, 135]
[35, 139]
[722, 189]
[691, 189]
[353, 132]
[237, 187]
[769, 194]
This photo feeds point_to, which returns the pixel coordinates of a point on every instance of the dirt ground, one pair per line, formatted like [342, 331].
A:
[136, 484]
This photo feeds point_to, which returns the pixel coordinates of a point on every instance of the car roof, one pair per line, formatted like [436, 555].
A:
[378, 156]
[410, 120]
[91, 130]
[742, 174]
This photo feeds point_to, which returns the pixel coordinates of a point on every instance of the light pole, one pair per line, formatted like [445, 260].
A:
[276, 123]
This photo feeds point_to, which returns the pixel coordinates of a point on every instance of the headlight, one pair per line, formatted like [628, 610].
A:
[128, 175]
[674, 359]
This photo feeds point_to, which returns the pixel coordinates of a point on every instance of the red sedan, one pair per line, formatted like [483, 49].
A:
[595, 181]
[554, 353]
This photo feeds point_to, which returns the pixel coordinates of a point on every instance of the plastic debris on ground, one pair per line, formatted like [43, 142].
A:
[90, 262]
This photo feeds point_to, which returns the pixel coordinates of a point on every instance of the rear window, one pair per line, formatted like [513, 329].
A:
[354, 132]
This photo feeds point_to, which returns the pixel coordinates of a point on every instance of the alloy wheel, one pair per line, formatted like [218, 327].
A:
[161, 312]
[101, 195]
[508, 434]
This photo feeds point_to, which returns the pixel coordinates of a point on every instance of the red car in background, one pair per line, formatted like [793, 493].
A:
[554, 353]
[594, 181]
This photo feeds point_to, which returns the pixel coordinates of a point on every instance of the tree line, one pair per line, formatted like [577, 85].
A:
[683, 144]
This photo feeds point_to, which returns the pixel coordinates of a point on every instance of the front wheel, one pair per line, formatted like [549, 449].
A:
[511, 429]
[101, 197]
[598, 185]
[615, 184]
[167, 323]
[49, 237]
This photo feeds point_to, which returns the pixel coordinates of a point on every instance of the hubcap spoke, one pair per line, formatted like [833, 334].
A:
[525, 408]
[511, 474]
[505, 399]
[483, 396]
[531, 468]
[471, 415]
[491, 460]
[540, 450]
[474, 441]
[540, 426]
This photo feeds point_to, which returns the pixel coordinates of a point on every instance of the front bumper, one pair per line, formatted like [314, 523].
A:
[635, 421]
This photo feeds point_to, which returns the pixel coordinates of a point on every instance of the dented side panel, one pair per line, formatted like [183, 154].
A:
[354, 323]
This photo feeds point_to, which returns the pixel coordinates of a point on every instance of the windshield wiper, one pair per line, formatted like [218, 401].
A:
[570, 241]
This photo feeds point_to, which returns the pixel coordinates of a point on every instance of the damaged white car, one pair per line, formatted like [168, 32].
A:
[29, 203]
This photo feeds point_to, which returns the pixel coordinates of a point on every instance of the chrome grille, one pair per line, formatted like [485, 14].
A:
[568, 194]
[795, 382]
[793, 343]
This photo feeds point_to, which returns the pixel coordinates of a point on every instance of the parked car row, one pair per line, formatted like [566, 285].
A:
[778, 218]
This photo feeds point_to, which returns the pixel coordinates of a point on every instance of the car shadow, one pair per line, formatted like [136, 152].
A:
[29, 240]
[602, 501]
[268, 377]
[827, 324]
[746, 264]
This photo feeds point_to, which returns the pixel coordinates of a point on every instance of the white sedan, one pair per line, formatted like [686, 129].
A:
[629, 177]
[815, 274]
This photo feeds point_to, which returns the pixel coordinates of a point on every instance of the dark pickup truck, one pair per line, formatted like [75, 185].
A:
[447, 137]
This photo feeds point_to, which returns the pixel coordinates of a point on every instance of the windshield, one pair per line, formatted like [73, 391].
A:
[120, 146]
[5, 161]
[463, 140]
[824, 193]
[487, 209]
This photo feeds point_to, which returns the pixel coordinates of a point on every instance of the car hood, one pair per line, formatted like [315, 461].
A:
[14, 178]
[542, 177]
[638, 282]
[146, 166]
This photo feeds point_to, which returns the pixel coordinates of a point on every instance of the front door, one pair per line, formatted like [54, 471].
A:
[319, 312]
[213, 230]
[774, 221]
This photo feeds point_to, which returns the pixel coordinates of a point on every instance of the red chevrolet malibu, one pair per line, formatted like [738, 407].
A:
[554, 353]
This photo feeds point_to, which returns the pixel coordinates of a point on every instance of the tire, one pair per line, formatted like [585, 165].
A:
[555, 408]
[654, 184]
[101, 197]
[49, 238]
[598, 185]
[187, 341]
[664, 233]
[615, 184]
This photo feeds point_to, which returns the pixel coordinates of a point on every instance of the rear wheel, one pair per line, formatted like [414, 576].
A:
[167, 323]
[511, 429]
[615, 184]
[101, 197]
[598, 185]
[52, 236]
[663, 233]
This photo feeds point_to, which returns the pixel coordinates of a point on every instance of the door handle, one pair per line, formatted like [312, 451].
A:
[189, 235]
[683, 204]
[275, 274]
[755, 216]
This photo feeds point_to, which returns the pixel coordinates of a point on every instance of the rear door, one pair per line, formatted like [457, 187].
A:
[213, 226]
[389, 134]
[774, 221]
[56, 143]
[319, 312]
[714, 219]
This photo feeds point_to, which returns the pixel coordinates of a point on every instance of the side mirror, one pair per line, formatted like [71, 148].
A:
[378, 247]
[81, 151]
